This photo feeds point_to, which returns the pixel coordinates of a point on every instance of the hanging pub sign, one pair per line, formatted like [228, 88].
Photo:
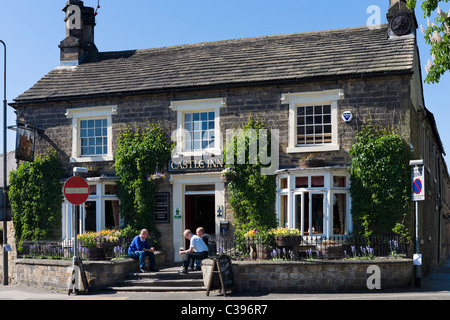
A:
[25, 144]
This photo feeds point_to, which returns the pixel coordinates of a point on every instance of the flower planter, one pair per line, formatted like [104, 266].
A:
[288, 241]
[312, 163]
[331, 250]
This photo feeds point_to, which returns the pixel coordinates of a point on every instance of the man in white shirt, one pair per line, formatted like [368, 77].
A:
[197, 250]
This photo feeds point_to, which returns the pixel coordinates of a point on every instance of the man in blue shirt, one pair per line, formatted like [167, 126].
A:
[139, 249]
[197, 250]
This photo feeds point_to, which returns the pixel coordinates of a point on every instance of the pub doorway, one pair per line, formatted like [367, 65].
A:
[200, 213]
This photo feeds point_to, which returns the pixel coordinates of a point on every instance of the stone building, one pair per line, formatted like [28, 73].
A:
[316, 88]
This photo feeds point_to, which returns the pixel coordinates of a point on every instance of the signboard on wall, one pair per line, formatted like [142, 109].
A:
[162, 208]
[196, 165]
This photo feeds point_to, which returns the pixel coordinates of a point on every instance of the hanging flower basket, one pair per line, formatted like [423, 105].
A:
[157, 178]
[228, 175]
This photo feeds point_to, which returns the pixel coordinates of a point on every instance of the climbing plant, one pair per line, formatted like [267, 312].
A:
[252, 194]
[140, 153]
[380, 182]
[36, 198]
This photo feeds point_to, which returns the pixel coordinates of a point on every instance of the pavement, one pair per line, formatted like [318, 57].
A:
[436, 286]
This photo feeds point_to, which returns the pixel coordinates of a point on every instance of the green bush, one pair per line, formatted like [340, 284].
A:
[140, 153]
[380, 182]
[36, 198]
[252, 194]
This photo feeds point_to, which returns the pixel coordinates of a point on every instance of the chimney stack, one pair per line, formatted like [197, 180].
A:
[79, 41]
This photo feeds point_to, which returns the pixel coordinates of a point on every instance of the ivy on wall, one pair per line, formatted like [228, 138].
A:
[140, 153]
[36, 198]
[252, 194]
[380, 182]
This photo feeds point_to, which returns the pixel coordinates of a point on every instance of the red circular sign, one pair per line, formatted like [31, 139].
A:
[76, 190]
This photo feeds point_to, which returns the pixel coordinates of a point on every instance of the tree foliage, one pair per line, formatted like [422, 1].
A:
[140, 153]
[36, 198]
[380, 182]
[252, 194]
[437, 35]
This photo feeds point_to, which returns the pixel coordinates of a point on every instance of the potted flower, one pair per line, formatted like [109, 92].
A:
[258, 243]
[94, 245]
[285, 237]
[157, 177]
[311, 162]
[228, 174]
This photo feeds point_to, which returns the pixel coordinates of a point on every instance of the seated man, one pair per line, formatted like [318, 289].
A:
[139, 249]
[205, 237]
[197, 250]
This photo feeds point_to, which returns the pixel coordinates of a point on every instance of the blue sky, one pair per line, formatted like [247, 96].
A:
[32, 31]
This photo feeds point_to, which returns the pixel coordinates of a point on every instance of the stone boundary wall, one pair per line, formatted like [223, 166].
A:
[56, 274]
[250, 276]
[316, 276]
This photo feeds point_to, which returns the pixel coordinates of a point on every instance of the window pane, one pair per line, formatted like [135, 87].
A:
[317, 181]
[305, 217]
[283, 211]
[317, 213]
[196, 116]
[90, 221]
[112, 219]
[283, 183]
[318, 110]
[93, 189]
[339, 213]
[339, 182]
[301, 182]
[301, 121]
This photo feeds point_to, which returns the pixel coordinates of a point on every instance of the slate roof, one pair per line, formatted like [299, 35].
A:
[298, 56]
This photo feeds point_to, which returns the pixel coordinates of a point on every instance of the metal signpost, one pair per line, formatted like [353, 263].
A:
[5, 172]
[76, 191]
[418, 194]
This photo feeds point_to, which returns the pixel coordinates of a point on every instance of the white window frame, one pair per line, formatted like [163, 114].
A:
[78, 114]
[327, 97]
[200, 105]
[328, 190]
[99, 198]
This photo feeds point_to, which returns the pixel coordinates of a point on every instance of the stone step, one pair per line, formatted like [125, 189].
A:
[165, 280]
[161, 282]
[153, 289]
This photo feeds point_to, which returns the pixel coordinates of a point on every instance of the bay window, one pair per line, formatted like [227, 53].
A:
[315, 202]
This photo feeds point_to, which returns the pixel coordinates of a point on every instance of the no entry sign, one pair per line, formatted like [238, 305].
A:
[76, 190]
